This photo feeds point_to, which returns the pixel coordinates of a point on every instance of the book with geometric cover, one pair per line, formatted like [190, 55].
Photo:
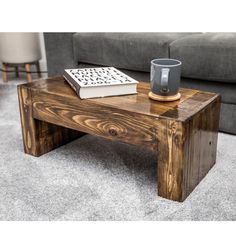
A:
[100, 82]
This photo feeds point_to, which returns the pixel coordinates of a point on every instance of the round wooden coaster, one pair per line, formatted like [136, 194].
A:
[164, 98]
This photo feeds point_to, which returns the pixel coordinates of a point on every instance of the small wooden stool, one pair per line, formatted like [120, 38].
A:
[26, 66]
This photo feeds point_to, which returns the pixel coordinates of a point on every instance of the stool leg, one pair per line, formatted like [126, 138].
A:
[38, 69]
[4, 73]
[29, 77]
[17, 72]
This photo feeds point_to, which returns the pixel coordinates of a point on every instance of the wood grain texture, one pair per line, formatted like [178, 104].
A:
[92, 118]
[40, 137]
[201, 145]
[189, 152]
[170, 161]
[191, 101]
[183, 132]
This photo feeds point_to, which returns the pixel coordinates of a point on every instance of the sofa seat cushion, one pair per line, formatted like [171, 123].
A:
[226, 90]
[132, 51]
[207, 56]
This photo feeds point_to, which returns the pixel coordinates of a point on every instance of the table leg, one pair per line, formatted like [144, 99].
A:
[40, 137]
[187, 152]
[17, 71]
[4, 73]
[29, 76]
[38, 69]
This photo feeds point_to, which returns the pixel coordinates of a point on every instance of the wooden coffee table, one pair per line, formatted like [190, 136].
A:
[183, 133]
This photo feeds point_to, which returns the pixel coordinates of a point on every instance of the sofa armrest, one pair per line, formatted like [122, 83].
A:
[59, 52]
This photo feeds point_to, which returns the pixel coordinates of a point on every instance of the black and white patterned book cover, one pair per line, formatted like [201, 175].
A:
[103, 76]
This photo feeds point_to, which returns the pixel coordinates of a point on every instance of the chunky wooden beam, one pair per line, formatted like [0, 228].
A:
[40, 137]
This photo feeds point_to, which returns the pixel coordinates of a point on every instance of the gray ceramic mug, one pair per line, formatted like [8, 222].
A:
[165, 76]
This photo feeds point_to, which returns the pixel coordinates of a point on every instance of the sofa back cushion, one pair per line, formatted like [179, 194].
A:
[208, 56]
[132, 51]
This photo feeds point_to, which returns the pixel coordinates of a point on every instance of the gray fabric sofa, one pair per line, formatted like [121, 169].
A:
[209, 59]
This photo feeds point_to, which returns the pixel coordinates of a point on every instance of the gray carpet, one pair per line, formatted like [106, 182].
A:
[95, 179]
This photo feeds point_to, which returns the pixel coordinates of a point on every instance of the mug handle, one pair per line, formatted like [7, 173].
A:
[164, 80]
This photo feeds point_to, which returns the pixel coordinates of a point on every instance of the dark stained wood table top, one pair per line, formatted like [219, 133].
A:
[191, 102]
